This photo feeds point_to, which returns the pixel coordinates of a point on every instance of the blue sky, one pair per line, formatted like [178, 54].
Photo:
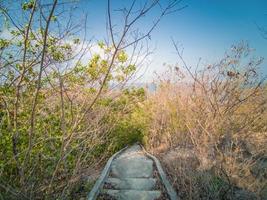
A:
[206, 29]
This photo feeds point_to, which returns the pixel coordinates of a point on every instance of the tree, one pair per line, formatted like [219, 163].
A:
[53, 104]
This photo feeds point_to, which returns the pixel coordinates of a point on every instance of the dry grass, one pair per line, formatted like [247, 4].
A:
[206, 157]
[211, 133]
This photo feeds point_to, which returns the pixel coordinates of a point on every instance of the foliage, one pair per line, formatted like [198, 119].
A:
[55, 121]
[132, 125]
[63, 113]
[216, 125]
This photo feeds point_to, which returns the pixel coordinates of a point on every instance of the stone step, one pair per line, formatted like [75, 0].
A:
[138, 167]
[133, 194]
[132, 183]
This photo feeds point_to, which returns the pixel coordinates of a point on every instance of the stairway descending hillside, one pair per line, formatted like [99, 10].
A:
[132, 174]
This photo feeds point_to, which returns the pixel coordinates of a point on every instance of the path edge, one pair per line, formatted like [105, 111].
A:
[100, 181]
[171, 192]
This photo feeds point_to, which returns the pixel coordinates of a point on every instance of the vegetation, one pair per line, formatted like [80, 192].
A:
[64, 111]
[211, 132]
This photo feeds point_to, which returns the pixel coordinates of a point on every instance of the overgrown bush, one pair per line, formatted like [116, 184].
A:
[218, 119]
[64, 108]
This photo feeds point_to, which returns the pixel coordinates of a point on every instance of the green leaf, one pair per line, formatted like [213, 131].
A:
[28, 5]
[122, 57]
[54, 18]
[3, 43]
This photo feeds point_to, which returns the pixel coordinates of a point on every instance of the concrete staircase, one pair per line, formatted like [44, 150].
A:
[131, 177]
